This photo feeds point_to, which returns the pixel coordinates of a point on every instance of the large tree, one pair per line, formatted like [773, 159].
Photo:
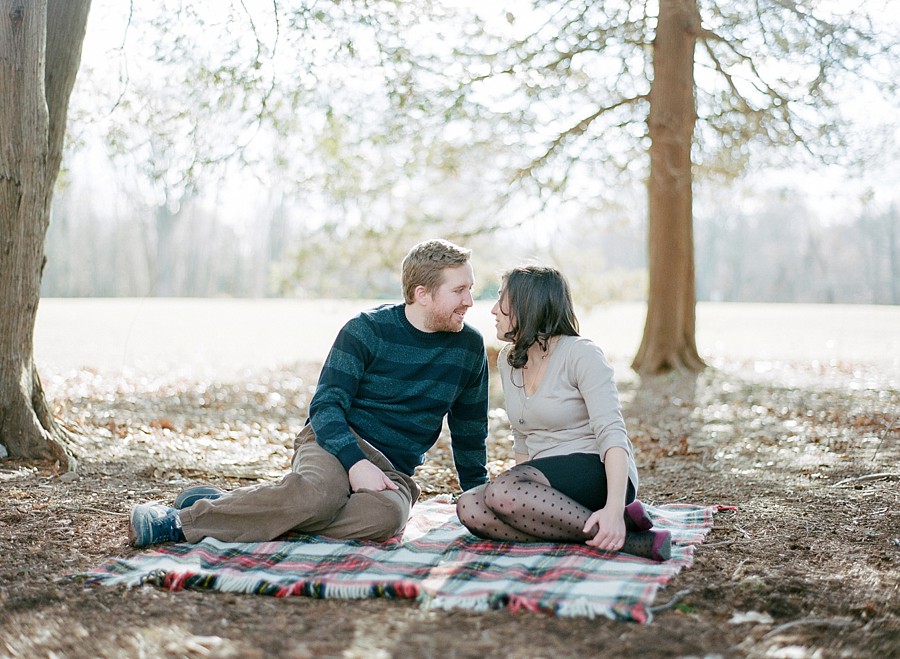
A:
[599, 94]
[40, 50]
[668, 341]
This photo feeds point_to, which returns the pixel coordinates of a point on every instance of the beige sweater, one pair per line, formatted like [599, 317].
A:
[575, 408]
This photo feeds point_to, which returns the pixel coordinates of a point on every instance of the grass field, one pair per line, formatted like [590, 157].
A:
[224, 337]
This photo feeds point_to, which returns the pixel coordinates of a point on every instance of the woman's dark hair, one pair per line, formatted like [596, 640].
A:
[539, 304]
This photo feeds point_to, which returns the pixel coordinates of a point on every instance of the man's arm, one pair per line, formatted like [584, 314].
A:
[337, 388]
[468, 425]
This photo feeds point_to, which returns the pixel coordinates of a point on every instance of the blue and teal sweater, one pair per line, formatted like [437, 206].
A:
[394, 384]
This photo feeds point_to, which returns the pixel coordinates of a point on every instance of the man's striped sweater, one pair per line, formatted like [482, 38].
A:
[393, 384]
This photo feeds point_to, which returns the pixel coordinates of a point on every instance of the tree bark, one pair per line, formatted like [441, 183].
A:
[669, 332]
[40, 50]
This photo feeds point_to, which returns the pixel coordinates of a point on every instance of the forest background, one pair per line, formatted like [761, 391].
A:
[172, 187]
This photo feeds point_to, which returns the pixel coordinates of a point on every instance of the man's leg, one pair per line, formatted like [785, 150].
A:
[307, 499]
[374, 515]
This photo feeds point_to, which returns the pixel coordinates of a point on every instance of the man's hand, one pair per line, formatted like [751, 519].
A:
[366, 476]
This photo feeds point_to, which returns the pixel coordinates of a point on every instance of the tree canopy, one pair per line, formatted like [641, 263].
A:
[463, 118]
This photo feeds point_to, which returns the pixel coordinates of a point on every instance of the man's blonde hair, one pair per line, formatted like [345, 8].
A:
[425, 263]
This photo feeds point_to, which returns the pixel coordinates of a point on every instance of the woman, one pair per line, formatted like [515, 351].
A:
[575, 478]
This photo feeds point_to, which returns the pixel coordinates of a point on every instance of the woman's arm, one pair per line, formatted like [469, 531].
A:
[608, 524]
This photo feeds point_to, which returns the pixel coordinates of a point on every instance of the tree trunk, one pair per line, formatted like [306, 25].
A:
[40, 50]
[669, 333]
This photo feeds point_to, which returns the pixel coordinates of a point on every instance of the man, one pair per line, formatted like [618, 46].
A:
[392, 376]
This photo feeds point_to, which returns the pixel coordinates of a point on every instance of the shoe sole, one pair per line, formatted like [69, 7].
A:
[132, 531]
[132, 536]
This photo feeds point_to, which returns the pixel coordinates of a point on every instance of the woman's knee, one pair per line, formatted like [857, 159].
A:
[469, 505]
[473, 513]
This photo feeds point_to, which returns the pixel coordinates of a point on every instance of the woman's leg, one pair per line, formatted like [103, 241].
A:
[523, 499]
[483, 522]
[521, 505]
[544, 499]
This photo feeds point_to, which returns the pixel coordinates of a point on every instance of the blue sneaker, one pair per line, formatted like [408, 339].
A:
[193, 494]
[153, 523]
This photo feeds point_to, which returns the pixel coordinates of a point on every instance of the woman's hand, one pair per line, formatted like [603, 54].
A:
[609, 523]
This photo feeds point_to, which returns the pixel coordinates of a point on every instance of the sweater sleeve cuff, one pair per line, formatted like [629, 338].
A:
[469, 483]
[350, 455]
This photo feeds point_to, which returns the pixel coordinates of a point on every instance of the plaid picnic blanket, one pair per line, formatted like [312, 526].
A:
[436, 561]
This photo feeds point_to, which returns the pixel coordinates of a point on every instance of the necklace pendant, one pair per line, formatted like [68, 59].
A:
[522, 421]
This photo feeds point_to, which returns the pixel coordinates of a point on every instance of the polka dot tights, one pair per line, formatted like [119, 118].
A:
[520, 506]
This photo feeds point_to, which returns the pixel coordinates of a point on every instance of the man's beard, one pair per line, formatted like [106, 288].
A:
[436, 322]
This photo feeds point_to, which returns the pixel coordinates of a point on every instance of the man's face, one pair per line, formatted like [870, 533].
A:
[448, 303]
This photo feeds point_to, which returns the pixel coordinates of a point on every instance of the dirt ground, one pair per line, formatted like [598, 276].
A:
[808, 565]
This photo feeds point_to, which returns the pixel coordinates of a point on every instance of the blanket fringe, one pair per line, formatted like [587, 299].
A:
[475, 603]
[190, 580]
[582, 608]
[348, 591]
[235, 584]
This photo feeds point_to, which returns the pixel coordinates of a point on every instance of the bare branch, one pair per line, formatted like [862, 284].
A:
[575, 130]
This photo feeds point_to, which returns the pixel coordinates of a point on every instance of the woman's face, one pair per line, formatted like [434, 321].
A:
[502, 318]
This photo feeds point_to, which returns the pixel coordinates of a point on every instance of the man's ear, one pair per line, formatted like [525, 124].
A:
[421, 295]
